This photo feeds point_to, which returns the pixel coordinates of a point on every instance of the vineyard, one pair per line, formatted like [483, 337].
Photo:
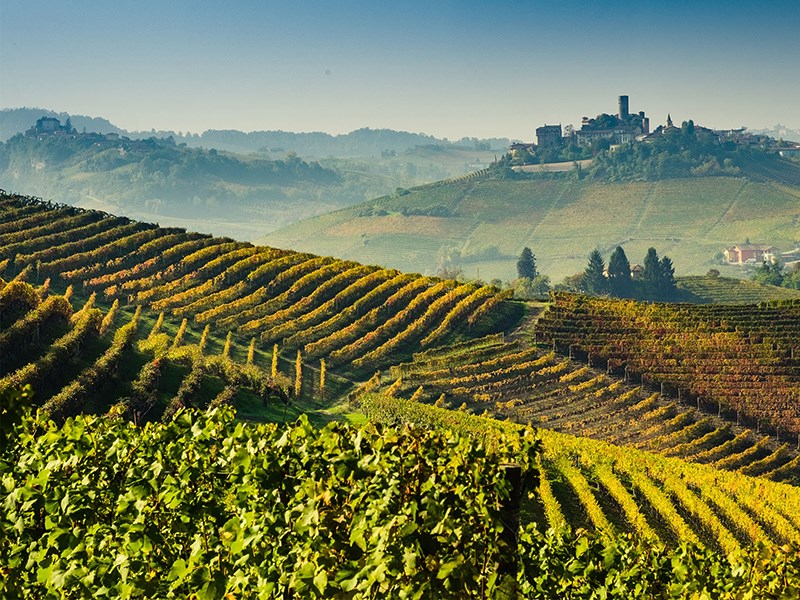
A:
[484, 223]
[508, 380]
[726, 290]
[206, 506]
[612, 489]
[739, 361]
[349, 314]
[662, 423]
[125, 364]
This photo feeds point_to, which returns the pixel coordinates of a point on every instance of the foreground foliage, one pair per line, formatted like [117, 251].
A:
[209, 505]
[206, 506]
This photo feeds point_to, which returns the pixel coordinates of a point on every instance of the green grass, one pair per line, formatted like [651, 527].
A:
[562, 220]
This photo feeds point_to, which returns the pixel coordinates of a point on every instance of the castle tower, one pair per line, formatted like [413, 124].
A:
[623, 108]
[669, 121]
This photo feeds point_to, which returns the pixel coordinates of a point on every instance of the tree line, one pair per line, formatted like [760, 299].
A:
[655, 281]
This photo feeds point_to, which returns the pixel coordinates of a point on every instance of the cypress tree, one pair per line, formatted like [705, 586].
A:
[666, 288]
[594, 281]
[619, 274]
[651, 275]
[526, 265]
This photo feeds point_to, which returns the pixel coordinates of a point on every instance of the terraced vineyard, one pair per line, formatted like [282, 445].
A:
[613, 489]
[123, 363]
[726, 290]
[743, 361]
[351, 314]
[108, 316]
[508, 380]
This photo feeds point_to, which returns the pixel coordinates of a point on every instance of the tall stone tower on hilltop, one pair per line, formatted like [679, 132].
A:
[623, 108]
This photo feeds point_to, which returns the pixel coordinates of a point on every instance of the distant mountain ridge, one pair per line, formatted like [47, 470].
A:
[361, 142]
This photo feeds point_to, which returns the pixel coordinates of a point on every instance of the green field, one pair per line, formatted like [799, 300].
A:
[489, 221]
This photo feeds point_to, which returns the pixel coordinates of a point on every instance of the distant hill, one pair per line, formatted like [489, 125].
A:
[359, 143]
[156, 179]
[481, 224]
[19, 120]
[179, 179]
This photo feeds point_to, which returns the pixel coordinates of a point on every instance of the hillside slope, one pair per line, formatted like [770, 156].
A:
[481, 224]
[355, 316]
[509, 379]
[612, 489]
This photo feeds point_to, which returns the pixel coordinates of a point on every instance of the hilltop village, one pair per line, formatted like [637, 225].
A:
[608, 130]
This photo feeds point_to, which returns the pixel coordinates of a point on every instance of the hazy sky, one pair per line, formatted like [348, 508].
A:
[447, 68]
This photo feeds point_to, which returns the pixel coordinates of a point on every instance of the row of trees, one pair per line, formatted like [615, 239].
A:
[656, 282]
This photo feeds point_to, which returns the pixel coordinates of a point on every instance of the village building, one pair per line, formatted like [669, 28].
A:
[50, 126]
[750, 253]
[549, 136]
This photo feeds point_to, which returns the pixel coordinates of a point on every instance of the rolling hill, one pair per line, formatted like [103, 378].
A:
[481, 224]
[221, 192]
[355, 315]
[131, 321]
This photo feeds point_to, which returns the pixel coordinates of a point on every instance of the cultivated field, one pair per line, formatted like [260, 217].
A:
[562, 220]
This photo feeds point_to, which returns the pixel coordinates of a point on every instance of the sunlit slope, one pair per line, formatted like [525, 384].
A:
[508, 379]
[78, 357]
[355, 316]
[742, 360]
[488, 221]
[612, 489]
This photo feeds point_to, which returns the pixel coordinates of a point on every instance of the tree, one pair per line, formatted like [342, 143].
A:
[540, 285]
[572, 283]
[666, 280]
[792, 278]
[651, 274]
[769, 274]
[526, 289]
[619, 274]
[526, 265]
[594, 280]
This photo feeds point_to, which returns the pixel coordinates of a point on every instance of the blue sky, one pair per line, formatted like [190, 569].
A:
[446, 68]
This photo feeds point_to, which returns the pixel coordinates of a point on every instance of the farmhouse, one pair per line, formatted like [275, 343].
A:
[636, 271]
[750, 253]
